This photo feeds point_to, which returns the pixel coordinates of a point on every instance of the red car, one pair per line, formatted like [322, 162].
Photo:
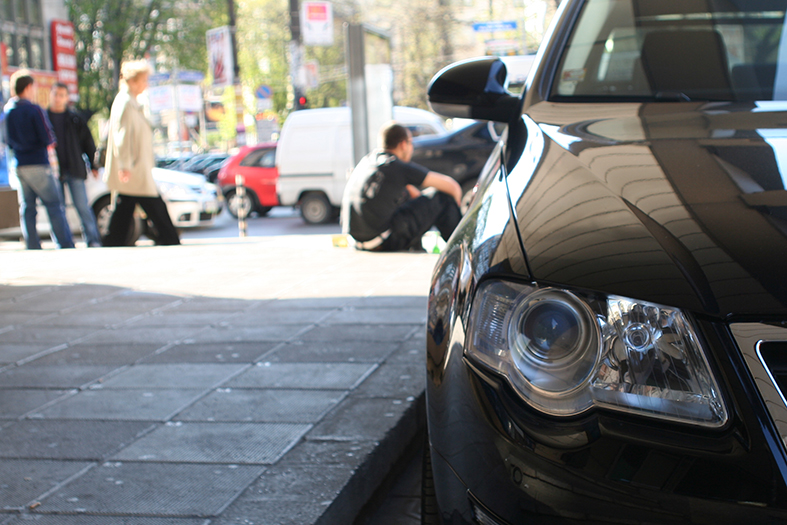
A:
[257, 164]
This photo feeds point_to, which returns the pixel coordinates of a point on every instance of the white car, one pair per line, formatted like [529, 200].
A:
[191, 201]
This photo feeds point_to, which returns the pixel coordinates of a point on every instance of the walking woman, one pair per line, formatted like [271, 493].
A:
[129, 166]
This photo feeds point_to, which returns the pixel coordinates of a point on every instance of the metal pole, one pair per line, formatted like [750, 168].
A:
[296, 53]
[240, 129]
[240, 197]
[356, 87]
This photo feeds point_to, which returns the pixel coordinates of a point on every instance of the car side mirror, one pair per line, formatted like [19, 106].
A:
[474, 89]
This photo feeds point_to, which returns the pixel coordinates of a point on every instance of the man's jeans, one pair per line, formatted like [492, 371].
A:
[37, 182]
[76, 187]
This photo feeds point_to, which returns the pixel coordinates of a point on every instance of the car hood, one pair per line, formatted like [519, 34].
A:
[682, 204]
[178, 177]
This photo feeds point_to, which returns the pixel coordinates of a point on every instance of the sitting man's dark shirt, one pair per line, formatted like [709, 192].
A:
[377, 189]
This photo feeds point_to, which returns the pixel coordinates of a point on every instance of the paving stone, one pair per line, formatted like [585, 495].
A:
[60, 519]
[341, 376]
[409, 352]
[326, 303]
[276, 406]
[415, 302]
[331, 352]
[104, 354]
[128, 335]
[210, 304]
[383, 333]
[274, 333]
[18, 293]
[338, 453]
[270, 512]
[85, 440]
[283, 316]
[77, 317]
[244, 443]
[15, 403]
[163, 490]
[394, 380]
[52, 376]
[53, 336]
[13, 352]
[176, 317]
[181, 375]
[212, 353]
[23, 480]
[16, 318]
[358, 418]
[110, 404]
[368, 315]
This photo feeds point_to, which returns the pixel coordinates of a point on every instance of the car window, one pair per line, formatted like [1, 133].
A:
[676, 50]
[422, 129]
[261, 158]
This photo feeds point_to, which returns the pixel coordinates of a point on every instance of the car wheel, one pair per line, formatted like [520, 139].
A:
[315, 208]
[429, 512]
[262, 211]
[236, 203]
[103, 213]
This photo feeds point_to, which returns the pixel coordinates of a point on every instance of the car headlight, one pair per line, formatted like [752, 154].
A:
[565, 352]
[174, 192]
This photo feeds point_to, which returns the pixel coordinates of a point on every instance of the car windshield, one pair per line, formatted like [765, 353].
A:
[676, 50]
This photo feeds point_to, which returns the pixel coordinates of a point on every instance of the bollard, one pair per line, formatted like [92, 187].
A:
[240, 195]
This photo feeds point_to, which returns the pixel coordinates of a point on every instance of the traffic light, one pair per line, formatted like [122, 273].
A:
[301, 102]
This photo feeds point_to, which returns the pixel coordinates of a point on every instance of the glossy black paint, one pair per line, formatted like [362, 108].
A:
[459, 154]
[680, 204]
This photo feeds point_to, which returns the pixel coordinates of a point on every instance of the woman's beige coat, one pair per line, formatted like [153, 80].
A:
[129, 147]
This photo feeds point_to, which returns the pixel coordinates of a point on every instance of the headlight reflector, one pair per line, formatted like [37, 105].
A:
[565, 351]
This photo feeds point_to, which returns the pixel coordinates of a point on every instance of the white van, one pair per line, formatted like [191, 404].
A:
[314, 156]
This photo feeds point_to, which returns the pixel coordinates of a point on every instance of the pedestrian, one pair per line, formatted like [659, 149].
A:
[384, 209]
[129, 164]
[29, 133]
[74, 141]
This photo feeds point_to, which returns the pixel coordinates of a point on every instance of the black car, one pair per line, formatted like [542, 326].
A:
[460, 154]
[607, 328]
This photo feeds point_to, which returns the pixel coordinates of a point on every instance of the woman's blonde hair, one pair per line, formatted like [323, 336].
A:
[132, 68]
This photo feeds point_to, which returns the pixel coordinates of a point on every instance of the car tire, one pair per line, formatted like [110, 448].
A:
[103, 213]
[249, 202]
[430, 514]
[262, 211]
[315, 208]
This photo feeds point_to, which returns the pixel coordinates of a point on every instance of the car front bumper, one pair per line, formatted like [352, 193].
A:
[193, 213]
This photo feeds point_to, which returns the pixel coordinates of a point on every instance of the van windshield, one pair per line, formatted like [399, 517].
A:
[676, 50]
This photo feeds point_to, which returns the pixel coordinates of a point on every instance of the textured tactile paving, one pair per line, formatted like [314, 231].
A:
[394, 380]
[276, 406]
[284, 316]
[244, 443]
[212, 353]
[147, 405]
[359, 418]
[13, 352]
[15, 403]
[75, 440]
[341, 376]
[47, 335]
[52, 376]
[359, 332]
[23, 480]
[331, 352]
[152, 489]
[175, 317]
[91, 354]
[185, 375]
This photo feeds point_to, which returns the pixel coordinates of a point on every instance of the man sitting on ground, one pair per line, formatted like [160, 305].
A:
[383, 209]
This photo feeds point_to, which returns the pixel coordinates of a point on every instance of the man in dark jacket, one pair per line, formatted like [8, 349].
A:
[73, 141]
[30, 135]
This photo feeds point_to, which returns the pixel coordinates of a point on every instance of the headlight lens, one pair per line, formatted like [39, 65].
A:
[565, 352]
[174, 192]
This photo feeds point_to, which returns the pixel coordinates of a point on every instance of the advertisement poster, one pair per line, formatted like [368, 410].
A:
[64, 57]
[317, 23]
[220, 60]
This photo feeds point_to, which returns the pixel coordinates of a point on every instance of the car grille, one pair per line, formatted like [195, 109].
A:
[764, 348]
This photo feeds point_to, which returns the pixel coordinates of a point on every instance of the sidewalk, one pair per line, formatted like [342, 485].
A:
[265, 380]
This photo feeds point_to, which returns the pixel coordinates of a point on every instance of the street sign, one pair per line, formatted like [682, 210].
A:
[317, 23]
[263, 91]
[498, 26]
[191, 76]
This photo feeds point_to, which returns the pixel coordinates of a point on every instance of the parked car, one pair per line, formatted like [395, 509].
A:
[206, 164]
[460, 154]
[607, 328]
[257, 165]
[314, 156]
[191, 202]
